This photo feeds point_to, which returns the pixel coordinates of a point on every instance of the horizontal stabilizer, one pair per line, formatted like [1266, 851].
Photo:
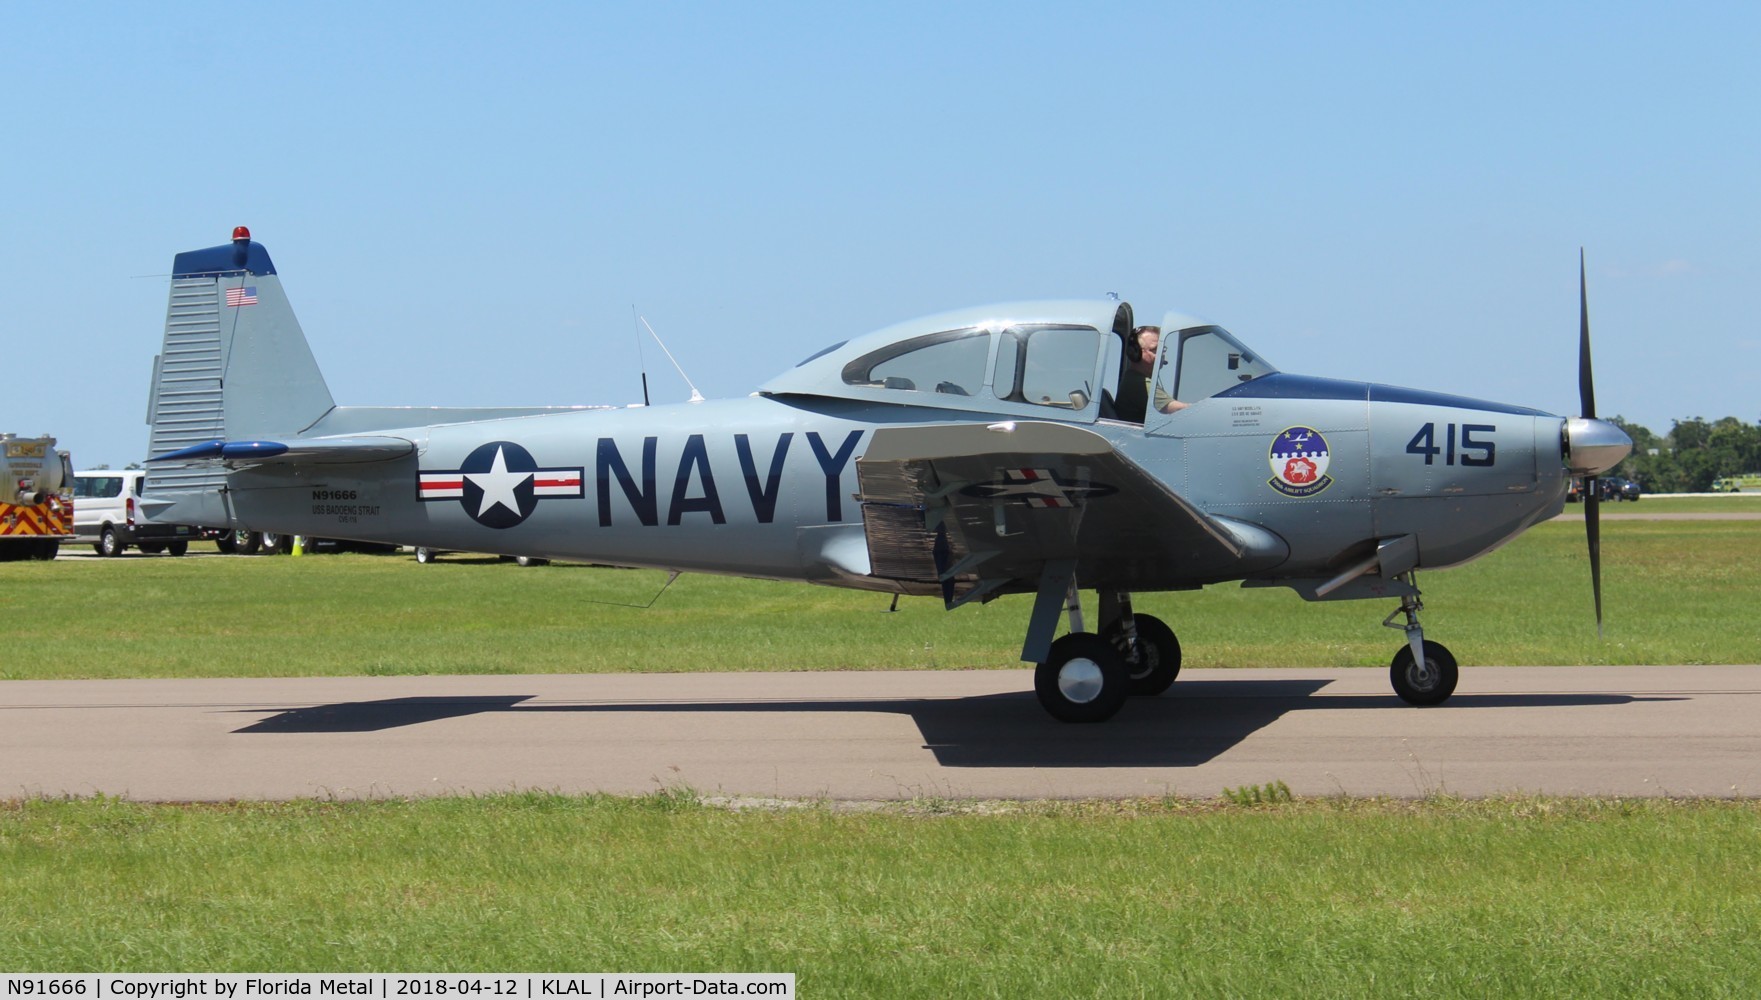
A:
[329, 451]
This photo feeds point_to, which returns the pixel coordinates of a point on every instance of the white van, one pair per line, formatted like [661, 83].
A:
[105, 506]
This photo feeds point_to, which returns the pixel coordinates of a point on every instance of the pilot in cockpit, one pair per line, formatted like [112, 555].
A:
[1134, 385]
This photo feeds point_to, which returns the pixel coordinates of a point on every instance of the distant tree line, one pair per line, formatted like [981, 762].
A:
[1691, 455]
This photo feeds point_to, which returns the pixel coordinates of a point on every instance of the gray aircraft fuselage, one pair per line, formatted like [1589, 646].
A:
[767, 487]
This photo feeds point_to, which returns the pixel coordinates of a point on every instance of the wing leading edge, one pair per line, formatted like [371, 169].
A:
[976, 510]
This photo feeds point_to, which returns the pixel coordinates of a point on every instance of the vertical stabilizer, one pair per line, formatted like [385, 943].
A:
[235, 364]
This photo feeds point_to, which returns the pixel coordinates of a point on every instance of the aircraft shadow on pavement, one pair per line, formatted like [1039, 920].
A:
[1192, 724]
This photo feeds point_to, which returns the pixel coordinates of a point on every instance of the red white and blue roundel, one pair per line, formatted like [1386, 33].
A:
[1042, 488]
[499, 484]
[1299, 463]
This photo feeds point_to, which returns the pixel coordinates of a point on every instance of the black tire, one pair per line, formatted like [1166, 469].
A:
[1432, 689]
[178, 548]
[1084, 679]
[531, 561]
[47, 549]
[275, 543]
[110, 544]
[247, 543]
[1159, 651]
[226, 542]
[425, 555]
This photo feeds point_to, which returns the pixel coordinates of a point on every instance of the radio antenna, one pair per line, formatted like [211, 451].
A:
[641, 358]
[696, 397]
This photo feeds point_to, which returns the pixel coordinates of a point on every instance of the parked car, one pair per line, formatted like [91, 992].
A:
[1608, 488]
[105, 507]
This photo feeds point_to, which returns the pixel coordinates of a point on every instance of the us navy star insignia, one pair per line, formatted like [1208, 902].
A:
[499, 484]
[1041, 488]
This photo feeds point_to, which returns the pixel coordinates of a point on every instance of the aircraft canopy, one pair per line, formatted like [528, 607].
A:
[1059, 360]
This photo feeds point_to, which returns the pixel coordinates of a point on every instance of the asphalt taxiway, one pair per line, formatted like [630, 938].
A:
[1629, 731]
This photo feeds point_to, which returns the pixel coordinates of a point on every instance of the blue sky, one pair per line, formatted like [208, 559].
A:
[465, 203]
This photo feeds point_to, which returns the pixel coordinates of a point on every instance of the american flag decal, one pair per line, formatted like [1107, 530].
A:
[246, 296]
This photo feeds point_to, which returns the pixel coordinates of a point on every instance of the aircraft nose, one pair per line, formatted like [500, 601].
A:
[1594, 446]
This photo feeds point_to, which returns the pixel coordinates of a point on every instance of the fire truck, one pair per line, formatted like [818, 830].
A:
[36, 497]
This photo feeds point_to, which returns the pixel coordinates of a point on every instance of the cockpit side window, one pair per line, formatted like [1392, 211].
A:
[951, 362]
[1047, 366]
[1209, 361]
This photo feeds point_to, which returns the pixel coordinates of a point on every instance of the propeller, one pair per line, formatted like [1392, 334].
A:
[1587, 409]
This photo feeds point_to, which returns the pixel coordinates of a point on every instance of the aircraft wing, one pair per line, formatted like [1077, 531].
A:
[978, 510]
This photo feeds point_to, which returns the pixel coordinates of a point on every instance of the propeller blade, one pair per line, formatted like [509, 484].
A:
[1593, 531]
[1587, 400]
[1586, 383]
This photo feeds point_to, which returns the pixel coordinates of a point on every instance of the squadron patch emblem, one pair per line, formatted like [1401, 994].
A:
[499, 484]
[1299, 463]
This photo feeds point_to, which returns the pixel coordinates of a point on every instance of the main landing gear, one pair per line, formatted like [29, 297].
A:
[1086, 677]
[1423, 672]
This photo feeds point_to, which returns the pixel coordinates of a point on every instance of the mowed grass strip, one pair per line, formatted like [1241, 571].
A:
[1138, 898]
[1675, 592]
[1726, 503]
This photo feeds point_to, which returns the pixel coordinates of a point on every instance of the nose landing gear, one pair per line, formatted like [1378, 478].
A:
[1423, 672]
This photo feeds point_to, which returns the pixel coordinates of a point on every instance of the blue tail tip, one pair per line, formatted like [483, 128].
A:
[241, 256]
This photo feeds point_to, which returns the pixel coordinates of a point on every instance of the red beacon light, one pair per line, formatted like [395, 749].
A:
[240, 233]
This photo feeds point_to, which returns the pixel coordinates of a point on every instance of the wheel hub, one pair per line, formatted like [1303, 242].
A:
[1421, 675]
[1080, 680]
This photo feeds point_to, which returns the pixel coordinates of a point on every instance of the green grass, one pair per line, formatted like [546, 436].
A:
[1251, 894]
[1726, 504]
[1675, 592]
[1137, 898]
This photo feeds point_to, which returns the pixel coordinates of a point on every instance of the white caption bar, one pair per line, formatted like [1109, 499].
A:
[389, 986]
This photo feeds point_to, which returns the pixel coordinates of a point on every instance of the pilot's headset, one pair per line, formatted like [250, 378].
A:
[1134, 343]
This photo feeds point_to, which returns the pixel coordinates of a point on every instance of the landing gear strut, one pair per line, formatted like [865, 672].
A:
[1423, 672]
[1148, 645]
